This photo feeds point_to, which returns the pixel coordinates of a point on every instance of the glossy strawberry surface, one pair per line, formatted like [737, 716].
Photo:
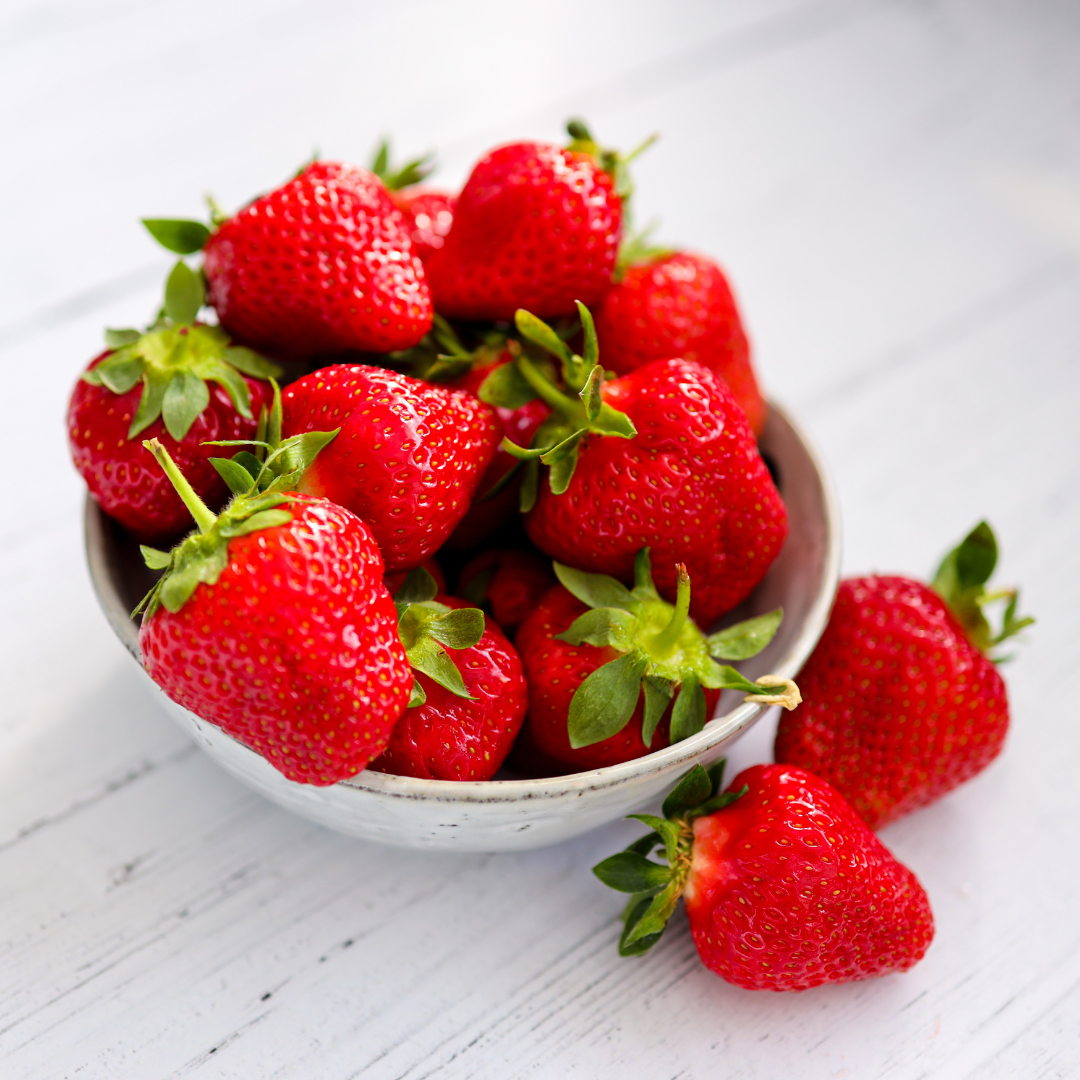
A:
[409, 456]
[691, 486]
[429, 214]
[323, 264]
[508, 582]
[554, 670]
[788, 889]
[451, 738]
[535, 227]
[898, 706]
[123, 476]
[680, 305]
[294, 650]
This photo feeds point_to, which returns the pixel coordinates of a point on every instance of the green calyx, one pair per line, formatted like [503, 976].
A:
[961, 582]
[428, 629]
[175, 359]
[577, 406]
[637, 248]
[663, 654]
[656, 887]
[442, 355]
[410, 173]
[261, 482]
[614, 162]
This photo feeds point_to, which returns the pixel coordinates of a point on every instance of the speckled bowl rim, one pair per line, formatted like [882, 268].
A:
[717, 731]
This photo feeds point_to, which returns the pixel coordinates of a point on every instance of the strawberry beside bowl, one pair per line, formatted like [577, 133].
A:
[514, 814]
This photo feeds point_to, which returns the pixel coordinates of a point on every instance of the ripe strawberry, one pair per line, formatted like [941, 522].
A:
[156, 384]
[902, 703]
[508, 582]
[785, 887]
[660, 458]
[323, 264]
[465, 711]
[603, 664]
[272, 622]
[428, 212]
[409, 457]
[679, 305]
[535, 226]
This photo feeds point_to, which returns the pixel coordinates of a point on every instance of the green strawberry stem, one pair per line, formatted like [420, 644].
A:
[204, 517]
[663, 644]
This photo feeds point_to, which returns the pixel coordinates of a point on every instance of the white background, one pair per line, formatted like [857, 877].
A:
[895, 190]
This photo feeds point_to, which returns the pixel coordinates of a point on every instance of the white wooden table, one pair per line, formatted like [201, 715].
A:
[895, 188]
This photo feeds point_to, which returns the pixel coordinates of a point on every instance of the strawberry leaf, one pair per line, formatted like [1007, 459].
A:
[156, 560]
[658, 694]
[418, 587]
[149, 406]
[417, 695]
[655, 917]
[632, 873]
[635, 911]
[252, 363]
[265, 519]
[595, 590]
[688, 712]
[692, 790]
[460, 628]
[184, 294]
[178, 235]
[562, 460]
[234, 474]
[601, 626]
[117, 339]
[538, 332]
[428, 656]
[507, 388]
[121, 371]
[604, 702]
[745, 639]
[185, 397]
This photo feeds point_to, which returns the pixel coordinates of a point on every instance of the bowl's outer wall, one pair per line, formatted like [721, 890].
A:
[505, 815]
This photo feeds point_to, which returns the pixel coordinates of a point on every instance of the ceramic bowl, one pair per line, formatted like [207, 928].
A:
[513, 814]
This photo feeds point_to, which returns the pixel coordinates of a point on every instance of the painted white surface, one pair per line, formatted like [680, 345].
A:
[895, 188]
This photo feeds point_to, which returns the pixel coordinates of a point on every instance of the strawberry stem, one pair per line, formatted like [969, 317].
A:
[560, 402]
[663, 644]
[203, 515]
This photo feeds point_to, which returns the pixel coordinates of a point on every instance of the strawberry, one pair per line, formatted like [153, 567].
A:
[180, 382]
[785, 887]
[614, 673]
[678, 304]
[660, 458]
[902, 701]
[508, 582]
[323, 264]
[535, 226]
[428, 212]
[272, 622]
[465, 711]
[409, 457]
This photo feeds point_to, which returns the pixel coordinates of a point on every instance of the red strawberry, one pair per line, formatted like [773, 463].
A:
[902, 704]
[509, 582]
[679, 305]
[535, 226]
[660, 458]
[464, 732]
[409, 457]
[601, 681]
[785, 887]
[428, 213]
[323, 264]
[180, 382]
[273, 623]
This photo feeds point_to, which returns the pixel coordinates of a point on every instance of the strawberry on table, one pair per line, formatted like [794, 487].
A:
[679, 304]
[272, 622]
[661, 458]
[785, 887]
[409, 458]
[535, 226]
[323, 264]
[180, 382]
[903, 701]
[614, 673]
[467, 705]
[508, 581]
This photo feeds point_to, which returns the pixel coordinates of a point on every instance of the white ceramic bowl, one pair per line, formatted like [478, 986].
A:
[505, 815]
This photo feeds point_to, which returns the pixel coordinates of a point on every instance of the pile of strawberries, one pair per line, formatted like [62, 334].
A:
[503, 391]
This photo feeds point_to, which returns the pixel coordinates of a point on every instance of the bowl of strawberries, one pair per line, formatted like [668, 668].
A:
[451, 521]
